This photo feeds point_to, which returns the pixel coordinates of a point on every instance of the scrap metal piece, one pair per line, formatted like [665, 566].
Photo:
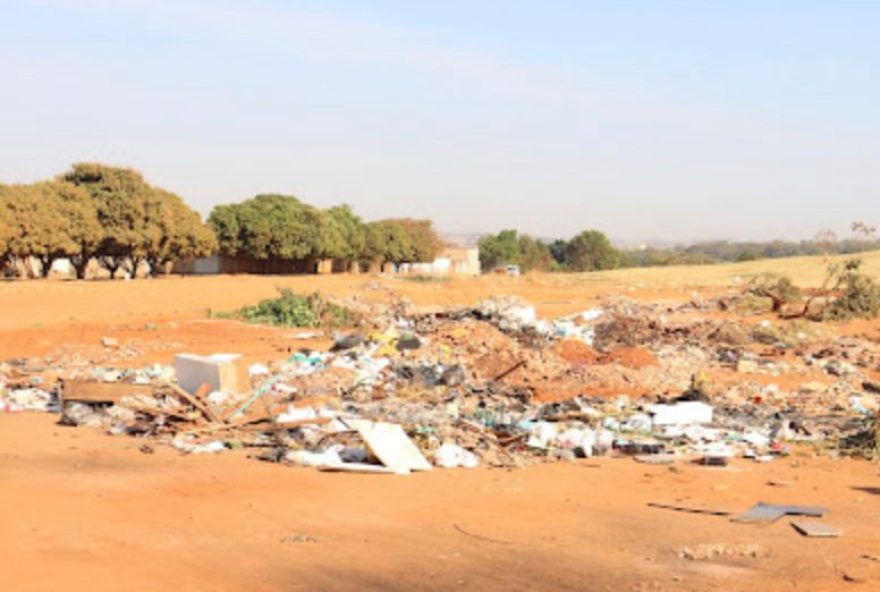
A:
[762, 513]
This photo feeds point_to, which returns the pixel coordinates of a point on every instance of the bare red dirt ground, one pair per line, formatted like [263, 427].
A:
[83, 510]
[87, 511]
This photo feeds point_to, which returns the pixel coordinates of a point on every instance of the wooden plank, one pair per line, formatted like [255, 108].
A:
[280, 426]
[157, 411]
[94, 391]
[185, 396]
[202, 392]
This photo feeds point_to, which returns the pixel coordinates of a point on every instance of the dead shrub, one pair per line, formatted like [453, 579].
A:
[778, 288]
[857, 294]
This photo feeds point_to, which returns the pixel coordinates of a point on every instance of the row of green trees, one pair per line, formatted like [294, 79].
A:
[97, 213]
[589, 250]
[281, 227]
[113, 217]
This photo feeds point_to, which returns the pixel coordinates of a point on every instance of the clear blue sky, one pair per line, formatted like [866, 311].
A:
[677, 120]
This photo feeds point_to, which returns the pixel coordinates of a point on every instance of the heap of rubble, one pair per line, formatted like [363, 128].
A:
[495, 385]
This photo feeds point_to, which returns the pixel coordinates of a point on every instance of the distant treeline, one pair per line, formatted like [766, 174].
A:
[592, 251]
[729, 252]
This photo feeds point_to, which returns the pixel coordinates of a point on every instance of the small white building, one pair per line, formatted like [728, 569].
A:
[450, 261]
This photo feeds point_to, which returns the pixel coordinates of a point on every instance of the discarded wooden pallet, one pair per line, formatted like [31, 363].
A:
[95, 391]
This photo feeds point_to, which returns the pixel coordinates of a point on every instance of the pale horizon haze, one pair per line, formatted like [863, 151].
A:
[672, 120]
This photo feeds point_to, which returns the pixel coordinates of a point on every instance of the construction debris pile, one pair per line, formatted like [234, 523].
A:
[491, 385]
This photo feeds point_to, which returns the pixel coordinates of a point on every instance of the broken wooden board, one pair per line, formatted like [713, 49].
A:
[281, 426]
[762, 513]
[203, 407]
[812, 528]
[94, 391]
[390, 444]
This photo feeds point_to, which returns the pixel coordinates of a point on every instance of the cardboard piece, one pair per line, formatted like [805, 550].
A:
[390, 444]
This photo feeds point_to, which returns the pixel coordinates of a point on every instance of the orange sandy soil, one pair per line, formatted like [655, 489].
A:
[86, 511]
[82, 510]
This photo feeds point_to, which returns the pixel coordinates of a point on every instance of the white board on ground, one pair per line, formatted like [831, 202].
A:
[390, 444]
[357, 468]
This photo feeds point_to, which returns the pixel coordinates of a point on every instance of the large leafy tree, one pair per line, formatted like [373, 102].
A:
[591, 251]
[6, 228]
[269, 227]
[508, 247]
[121, 196]
[559, 251]
[81, 225]
[139, 223]
[388, 242]
[499, 249]
[345, 234]
[534, 255]
[226, 222]
[425, 243]
[173, 231]
[49, 221]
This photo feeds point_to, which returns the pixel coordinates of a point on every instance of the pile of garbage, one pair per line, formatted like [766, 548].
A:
[491, 385]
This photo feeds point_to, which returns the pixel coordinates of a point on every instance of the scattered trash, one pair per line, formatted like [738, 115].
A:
[450, 456]
[492, 385]
[715, 551]
[300, 538]
[190, 448]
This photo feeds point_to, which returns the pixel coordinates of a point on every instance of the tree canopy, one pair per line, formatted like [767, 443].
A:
[591, 251]
[281, 227]
[272, 226]
[508, 247]
[97, 212]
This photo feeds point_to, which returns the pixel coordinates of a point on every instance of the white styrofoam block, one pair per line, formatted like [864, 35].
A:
[683, 413]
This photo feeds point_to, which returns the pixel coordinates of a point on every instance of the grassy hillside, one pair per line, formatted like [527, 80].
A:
[804, 271]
